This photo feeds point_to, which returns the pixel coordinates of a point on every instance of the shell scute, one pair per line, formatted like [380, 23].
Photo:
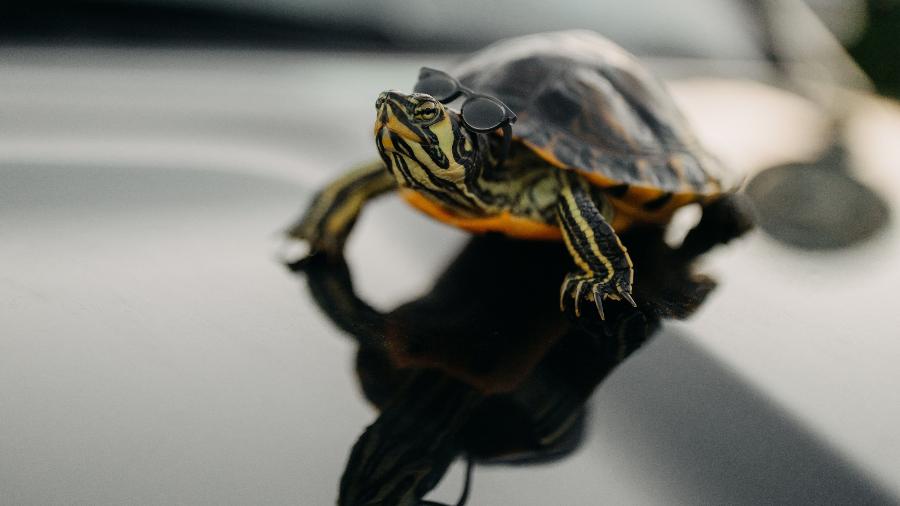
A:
[585, 104]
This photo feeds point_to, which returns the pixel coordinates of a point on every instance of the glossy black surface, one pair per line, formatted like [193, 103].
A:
[155, 352]
[485, 365]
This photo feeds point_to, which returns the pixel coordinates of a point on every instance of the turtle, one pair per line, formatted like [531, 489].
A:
[559, 136]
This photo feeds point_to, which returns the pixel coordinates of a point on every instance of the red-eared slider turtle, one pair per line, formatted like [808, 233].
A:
[597, 146]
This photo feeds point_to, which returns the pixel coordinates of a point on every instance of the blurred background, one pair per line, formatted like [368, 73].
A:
[152, 351]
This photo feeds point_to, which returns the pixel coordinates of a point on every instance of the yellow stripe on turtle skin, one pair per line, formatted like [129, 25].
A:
[506, 223]
[324, 201]
[335, 207]
[627, 260]
[384, 134]
[586, 231]
[576, 256]
[395, 125]
[349, 209]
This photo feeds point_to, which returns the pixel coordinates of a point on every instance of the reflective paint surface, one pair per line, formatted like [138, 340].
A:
[153, 351]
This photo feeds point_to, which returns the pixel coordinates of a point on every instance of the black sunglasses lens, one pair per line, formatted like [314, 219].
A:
[438, 86]
[483, 114]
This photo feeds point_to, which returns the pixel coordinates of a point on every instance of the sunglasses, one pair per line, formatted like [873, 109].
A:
[479, 113]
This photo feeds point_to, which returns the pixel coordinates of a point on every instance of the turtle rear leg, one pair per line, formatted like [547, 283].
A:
[327, 222]
[724, 219]
[606, 270]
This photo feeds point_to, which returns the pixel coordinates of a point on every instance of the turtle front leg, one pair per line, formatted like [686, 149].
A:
[327, 222]
[606, 270]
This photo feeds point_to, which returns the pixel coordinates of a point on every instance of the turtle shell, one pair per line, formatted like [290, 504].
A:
[584, 103]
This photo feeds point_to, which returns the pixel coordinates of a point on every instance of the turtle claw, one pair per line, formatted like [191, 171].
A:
[578, 290]
[579, 280]
[625, 294]
[563, 289]
[598, 301]
[593, 288]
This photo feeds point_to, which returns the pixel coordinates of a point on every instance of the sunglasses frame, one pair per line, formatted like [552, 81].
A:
[509, 117]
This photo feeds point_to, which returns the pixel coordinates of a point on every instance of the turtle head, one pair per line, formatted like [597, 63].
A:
[424, 143]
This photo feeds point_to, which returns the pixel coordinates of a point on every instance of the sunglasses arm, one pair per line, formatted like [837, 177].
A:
[507, 141]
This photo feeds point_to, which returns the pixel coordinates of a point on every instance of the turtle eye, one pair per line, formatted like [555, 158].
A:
[379, 101]
[426, 111]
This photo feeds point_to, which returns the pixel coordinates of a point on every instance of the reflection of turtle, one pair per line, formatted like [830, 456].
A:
[465, 370]
[598, 146]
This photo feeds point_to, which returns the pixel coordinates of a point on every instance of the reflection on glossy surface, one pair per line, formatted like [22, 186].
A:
[467, 370]
[818, 205]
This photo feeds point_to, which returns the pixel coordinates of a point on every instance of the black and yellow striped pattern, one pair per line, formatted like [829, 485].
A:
[606, 268]
[334, 210]
[436, 156]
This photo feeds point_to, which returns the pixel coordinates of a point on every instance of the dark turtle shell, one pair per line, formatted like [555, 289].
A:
[584, 103]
